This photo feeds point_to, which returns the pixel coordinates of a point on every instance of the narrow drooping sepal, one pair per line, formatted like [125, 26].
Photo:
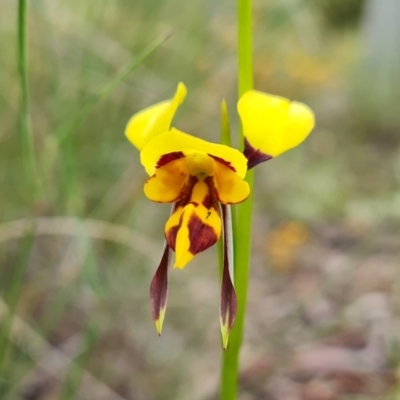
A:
[159, 290]
[228, 305]
[254, 156]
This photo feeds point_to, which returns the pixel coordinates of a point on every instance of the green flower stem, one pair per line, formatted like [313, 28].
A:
[25, 129]
[245, 46]
[242, 242]
[243, 220]
[226, 139]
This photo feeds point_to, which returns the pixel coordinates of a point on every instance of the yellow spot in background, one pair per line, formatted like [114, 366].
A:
[283, 243]
[309, 70]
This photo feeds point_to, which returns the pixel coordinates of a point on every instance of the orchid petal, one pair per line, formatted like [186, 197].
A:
[154, 120]
[168, 182]
[177, 141]
[193, 227]
[231, 189]
[272, 125]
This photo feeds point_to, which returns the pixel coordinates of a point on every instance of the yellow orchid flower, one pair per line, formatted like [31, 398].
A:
[195, 175]
[201, 179]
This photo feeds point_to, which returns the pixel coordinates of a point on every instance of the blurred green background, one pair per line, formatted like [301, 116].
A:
[76, 262]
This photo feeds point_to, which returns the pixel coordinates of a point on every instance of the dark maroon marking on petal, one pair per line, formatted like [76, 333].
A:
[207, 202]
[210, 201]
[170, 236]
[159, 286]
[186, 192]
[201, 236]
[254, 157]
[223, 162]
[167, 158]
[228, 306]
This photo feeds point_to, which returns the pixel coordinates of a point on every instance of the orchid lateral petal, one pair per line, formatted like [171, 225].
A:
[168, 182]
[231, 189]
[177, 141]
[272, 125]
[228, 305]
[154, 120]
[159, 290]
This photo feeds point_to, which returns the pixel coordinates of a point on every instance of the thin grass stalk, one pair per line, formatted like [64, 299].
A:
[25, 126]
[11, 298]
[73, 379]
[243, 218]
[70, 181]
[226, 139]
[65, 129]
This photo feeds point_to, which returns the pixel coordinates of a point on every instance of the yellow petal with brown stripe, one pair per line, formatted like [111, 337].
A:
[168, 183]
[231, 189]
[177, 141]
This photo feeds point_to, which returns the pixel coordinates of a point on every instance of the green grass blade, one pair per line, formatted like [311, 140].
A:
[72, 382]
[70, 181]
[25, 126]
[105, 91]
[11, 299]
